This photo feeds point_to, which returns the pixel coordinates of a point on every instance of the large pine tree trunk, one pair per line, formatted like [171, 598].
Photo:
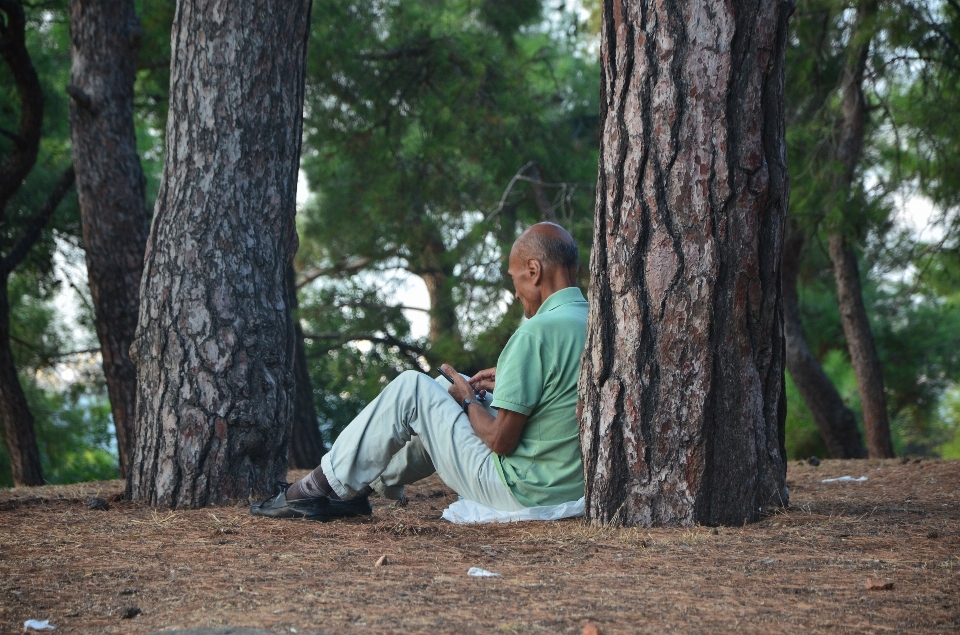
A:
[853, 313]
[681, 388]
[836, 423]
[105, 38]
[215, 342]
[306, 440]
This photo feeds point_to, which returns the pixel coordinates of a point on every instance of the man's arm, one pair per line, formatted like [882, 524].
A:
[502, 433]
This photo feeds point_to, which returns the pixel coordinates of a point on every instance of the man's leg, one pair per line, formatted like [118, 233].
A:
[411, 464]
[414, 405]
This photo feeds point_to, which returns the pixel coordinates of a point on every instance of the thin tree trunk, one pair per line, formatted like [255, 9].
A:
[443, 316]
[14, 409]
[863, 355]
[836, 423]
[105, 38]
[306, 440]
[17, 419]
[681, 387]
[853, 312]
[540, 197]
[215, 342]
[18, 425]
[432, 263]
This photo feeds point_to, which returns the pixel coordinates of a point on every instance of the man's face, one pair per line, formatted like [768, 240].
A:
[525, 280]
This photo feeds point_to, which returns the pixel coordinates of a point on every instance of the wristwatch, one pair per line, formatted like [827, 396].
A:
[466, 402]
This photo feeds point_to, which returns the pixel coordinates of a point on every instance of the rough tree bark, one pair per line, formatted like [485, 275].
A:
[214, 348]
[836, 423]
[17, 418]
[681, 387]
[105, 37]
[853, 313]
[306, 440]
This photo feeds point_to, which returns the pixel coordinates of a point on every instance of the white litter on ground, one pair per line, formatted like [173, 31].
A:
[844, 479]
[464, 512]
[38, 625]
[477, 572]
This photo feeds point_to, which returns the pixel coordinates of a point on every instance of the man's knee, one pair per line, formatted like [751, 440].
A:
[407, 380]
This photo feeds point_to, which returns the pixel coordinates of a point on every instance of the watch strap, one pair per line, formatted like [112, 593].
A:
[466, 402]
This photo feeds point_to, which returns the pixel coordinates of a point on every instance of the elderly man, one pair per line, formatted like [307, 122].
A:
[525, 453]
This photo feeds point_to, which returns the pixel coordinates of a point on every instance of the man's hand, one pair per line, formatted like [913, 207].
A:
[460, 389]
[501, 433]
[484, 381]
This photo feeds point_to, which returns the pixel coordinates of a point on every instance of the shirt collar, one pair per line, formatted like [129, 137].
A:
[568, 295]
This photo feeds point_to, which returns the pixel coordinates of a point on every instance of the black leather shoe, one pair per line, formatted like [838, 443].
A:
[280, 507]
[359, 506]
[322, 509]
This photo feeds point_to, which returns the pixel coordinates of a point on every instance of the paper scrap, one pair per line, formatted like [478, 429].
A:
[38, 625]
[844, 479]
[477, 572]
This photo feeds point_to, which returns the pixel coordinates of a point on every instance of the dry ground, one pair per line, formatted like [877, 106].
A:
[805, 570]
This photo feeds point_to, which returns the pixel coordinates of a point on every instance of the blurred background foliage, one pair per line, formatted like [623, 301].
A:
[435, 131]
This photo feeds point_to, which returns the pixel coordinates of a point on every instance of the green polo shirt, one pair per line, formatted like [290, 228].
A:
[537, 376]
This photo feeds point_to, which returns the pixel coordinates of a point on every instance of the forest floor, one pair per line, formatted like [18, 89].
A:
[819, 567]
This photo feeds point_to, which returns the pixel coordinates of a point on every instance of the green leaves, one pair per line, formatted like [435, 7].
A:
[418, 116]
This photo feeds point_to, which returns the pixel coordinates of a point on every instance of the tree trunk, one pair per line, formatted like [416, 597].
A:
[306, 440]
[17, 418]
[853, 313]
[836, 423]
[681, 388]
[105, 37]
[214, 348]
[14, 409]
[540, 196]
[863, 355]
[432, 263]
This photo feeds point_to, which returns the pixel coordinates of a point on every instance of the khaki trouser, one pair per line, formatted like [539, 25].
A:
[411, 430]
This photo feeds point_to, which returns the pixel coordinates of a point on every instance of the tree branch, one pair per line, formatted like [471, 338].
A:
[13, 50]
[337, 269]
[397, 53]
[342, 338]
[544, 206]
[83, 100]
[37, 223]
[373, 305]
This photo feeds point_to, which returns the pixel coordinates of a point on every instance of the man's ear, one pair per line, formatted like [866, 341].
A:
[534, 270]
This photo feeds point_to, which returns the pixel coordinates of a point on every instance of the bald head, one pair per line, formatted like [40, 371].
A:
[543, 260]
[552, 245]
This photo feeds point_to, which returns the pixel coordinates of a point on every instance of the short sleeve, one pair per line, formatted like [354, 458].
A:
[520, 376]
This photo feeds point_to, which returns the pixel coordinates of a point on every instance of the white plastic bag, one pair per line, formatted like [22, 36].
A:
[477, 572]
[844, 479]
[464, 512]
[38, 625]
